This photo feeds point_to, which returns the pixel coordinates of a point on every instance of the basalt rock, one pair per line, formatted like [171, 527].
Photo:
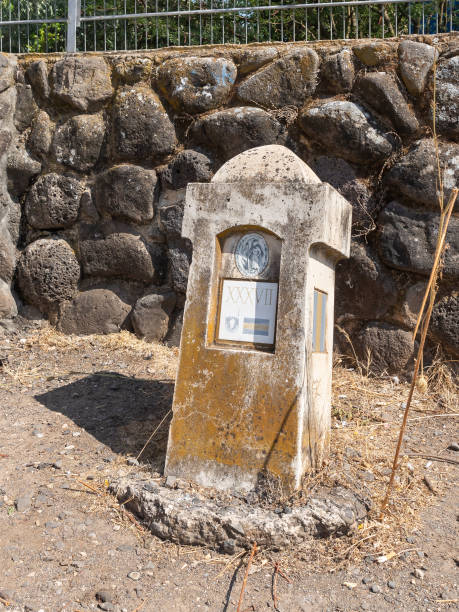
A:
[53, 202]
[374, 53]
[447, 97]
[444, 326]
[380, 91]
[244, 127]
[386, 348]
[26, 107]
[21, 169]
[77, 142]
[408, 240]
[338, 71]
[196, 84]
[141, 128]
[37, 74]
[8, 307]
[345, 129]
[48, 273]
[117, 256]
[150, 315]
[187, 167]
[7, 251]
[96, 311]
[41, 135]
[179, 252]
[126, 192]
[415, 61]
[415, 174]
[7, 68]
[83, 82]
[289, 80]
[252, 59]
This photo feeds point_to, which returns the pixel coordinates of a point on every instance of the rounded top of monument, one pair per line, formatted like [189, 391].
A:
[271, 163]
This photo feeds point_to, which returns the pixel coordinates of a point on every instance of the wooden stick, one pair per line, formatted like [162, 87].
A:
[410, 395]
[149, 439]
[276, 571]
[244, 582]
[89, 486]
[4, 602]
[283, 575]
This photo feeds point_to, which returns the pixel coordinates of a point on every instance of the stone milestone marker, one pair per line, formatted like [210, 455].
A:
[253, 390]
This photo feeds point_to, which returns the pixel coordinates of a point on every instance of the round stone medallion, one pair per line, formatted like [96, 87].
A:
[251, 255]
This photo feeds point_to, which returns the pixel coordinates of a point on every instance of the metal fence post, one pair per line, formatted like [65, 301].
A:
[73, 21]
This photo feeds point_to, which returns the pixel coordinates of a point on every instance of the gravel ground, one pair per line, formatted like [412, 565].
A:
[73, 413]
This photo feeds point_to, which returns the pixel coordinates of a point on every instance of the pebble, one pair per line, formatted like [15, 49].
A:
[366, 580]
[51, 525]
[367, 476]
[391, 584]
[125, 548]
[418, 573]
[106, 605]
[410, 540]
[375, 588]
[37, 433]
[454, 446]
[23, 503]
[104, 596]
[134, 575]
[132, 461]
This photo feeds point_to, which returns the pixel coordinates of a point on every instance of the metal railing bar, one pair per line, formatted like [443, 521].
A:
[19, 22]
[242, 9]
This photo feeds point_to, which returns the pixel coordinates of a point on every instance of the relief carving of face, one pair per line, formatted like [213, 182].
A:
[252, 255]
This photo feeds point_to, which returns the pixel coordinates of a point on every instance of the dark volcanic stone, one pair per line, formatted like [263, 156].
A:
[53, 202]
[338, 71]
[445, 322]
[179, 252]
[447, 99]
[26, 108]
[97, 311]
[363, 288]
[126, 192]
[37, 74]
[345, 129]
[7, 252]
[171, 218]
[119, 255]
[77, 142]
[380, 91]
[21, 169]
[288, 81]
[235, 130]
[141, 127]
[187, 167]
[48, 272]
[415, 174]
[83, 82]
[408, 239]
[415, 61]
[41, 135]
[150, 315]
[388, 348]
[196, 84]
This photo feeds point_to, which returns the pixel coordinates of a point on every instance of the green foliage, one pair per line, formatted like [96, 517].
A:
[244, 25]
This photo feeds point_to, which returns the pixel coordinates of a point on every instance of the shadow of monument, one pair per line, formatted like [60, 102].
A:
[119, 411]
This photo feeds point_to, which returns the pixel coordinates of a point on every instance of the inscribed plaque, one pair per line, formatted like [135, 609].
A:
[248, 311]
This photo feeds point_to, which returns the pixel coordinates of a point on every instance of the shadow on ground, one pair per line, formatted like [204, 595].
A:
[119, 411]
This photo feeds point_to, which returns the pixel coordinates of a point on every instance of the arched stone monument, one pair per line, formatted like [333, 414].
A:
[253, 391]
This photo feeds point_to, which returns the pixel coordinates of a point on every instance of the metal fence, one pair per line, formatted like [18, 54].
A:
[110, 25]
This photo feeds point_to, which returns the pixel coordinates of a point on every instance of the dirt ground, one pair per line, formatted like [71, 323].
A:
[74, 412]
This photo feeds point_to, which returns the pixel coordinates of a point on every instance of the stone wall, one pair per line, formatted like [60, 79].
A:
[97, 149]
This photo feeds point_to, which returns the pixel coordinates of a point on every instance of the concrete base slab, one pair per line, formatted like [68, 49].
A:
[187, 514]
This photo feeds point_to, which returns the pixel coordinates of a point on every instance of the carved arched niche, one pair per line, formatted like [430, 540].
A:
[245, 289]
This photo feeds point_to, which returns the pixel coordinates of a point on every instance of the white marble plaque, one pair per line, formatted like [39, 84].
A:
[248, 311]
[251, 255]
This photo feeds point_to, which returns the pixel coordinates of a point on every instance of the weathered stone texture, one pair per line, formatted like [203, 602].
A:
[48, 273]
[7, 67]
[249, 60]
[141, 127]
[8, 307]
[447, 97]
[290, 80]
[117, 256]
[380, 91]
[53, 202]
[150, 315]
[338, 71]
[179, 253]
[445, 318]
[7, 251]
[126, 192]
[196, 84]
[345, 129]
[408, 239]
[387, 349]
[26, 107]
[82, 82]
[77, 142]
[415, 174]
[374, 53]
[97, 311]
[41, 135]
[21, 169]
[170, 219]
[364, 289]
[415, 61]
[187, 167]
[244, 127]
[37, 74]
